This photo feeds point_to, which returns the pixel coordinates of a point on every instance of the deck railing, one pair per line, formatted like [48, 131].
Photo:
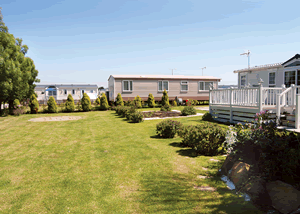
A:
[252, 97]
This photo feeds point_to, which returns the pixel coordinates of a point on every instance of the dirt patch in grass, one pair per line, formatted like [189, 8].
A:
[60, 118]
[205, 188]
[161, 114]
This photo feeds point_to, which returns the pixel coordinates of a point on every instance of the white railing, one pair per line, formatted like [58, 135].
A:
[269, 96]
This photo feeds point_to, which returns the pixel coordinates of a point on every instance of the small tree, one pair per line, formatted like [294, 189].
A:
[174, 103]
[151, 101]
[165, 99]
[69, 105]
[86, 103]
[98, 102]
[52, 107]
[138, 102]
[119, 101]
[104, 104]
[16, 103]
[33, 104]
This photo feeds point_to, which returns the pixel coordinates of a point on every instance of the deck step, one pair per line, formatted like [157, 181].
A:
[288, 123]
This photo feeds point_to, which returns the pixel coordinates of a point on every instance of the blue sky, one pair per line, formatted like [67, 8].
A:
[86, 41]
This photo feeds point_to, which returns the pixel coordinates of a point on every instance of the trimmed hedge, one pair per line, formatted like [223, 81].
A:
[52, 107]
[86, 103]
[34, 104]
[188, 110]
[69, 105]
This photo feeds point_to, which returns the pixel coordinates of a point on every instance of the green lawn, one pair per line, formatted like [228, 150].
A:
[103, 164]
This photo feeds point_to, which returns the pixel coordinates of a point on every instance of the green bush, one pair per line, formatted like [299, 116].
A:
[174, 103]
[17, 103]
[188, 110]
[69, 105]
[278, 151]
[151, 101]
[122, 110]
[52, 107]
[86, 102]
[97, 101]
[104, 104]
[206, 138]
[129, 112]
[33, 104]
[165, 98]
[137, 101]
[207, 117]
[119, 101]
[168, 128]
[165, 108]
[137, 117]
[191, 102]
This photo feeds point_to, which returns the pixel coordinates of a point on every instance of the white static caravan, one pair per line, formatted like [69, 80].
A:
[272, 87]
[60, 92]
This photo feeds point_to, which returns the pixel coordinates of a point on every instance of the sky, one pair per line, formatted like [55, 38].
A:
[87, 41]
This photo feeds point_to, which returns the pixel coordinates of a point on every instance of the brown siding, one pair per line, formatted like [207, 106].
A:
[144, 87]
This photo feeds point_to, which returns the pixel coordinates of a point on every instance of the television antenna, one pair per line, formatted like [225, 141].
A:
[247, 53]
[173, 69]
[202, 70]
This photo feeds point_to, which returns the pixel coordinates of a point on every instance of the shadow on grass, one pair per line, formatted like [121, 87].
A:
[167, 192]
[176, 144]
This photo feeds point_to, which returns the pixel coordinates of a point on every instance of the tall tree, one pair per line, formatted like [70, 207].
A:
[17, 72]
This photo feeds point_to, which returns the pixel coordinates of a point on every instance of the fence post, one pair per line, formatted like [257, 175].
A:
[260, 95]
[293, 97]
[278, 109]
[209, 98]
[283, 96]
[231, 97]
[297, 111]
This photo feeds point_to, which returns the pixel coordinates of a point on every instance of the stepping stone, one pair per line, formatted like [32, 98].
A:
[205, 188]
[214, 160]
[203, 177]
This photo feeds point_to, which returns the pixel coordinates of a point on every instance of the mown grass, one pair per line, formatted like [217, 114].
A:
[102, 164]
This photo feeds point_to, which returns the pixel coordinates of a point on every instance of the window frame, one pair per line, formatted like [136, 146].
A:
[130, 90]
[186, 83]
[244, 75]
[162, 85]
[284, 77]
[274, 84]
[199, 89]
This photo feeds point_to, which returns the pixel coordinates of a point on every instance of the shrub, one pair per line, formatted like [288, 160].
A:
[137, 101]
[123, 110]
[151, 101]
[97, 101]
[33, 104]
[86, 102]
[165, 98]
[52, 107]
[17, 103]
[278, 151]
[69, 105]
[188, 110]
[206, 138]
[168, 128]
[137, 117]
[174, 103]
[191, 102]
[129, 112]
[119, 101]
[165, 108]
[104, 104]
[18, 111]
[207, 117]
[78, 107]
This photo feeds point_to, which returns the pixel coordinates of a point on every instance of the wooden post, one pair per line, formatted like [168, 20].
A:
[260, 97]
[293, 97]
[278, 109]
[209, 98]
[297, 112]
[283, 96]
[231, 97]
